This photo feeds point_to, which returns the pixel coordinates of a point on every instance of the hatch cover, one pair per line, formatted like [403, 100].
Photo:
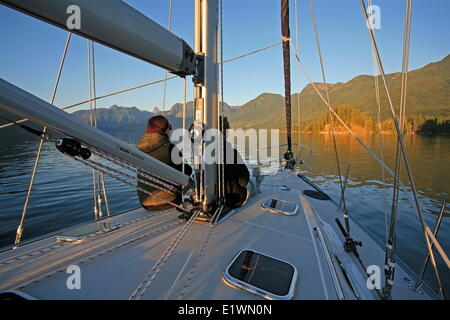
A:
[262, 275]
[280, 206]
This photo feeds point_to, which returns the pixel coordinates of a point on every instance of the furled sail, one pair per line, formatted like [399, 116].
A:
[286, 34]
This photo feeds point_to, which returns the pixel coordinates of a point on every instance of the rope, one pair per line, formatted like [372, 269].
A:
[145, 284]
[197, 262]
[41, 142]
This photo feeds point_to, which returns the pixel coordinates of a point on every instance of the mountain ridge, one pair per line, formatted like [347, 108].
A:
[428, 96]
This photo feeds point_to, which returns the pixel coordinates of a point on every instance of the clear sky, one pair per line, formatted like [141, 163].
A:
[30, 49]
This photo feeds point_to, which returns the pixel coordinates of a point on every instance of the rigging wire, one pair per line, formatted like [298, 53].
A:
[41, 142]
[380, 135]
[221, 141]
[104, 169]
[391, 243]
[97, 98]
[98, 179]
[184, 116]
[371, 153]
[135, 169]
[97, 206]
[255, 51]
[316, 32]
[402, 147]
[169, 23]
[297, 70]
[101, 179]
[161, 183]
[142, 85]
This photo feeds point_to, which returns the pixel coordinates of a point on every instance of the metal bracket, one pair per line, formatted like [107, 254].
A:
[188, 64]
[199, 76]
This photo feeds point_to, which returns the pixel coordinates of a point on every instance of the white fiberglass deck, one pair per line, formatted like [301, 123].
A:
[114, 263]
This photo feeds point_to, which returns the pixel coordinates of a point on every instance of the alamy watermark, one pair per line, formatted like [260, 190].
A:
[73, 22]
[211, 147]
[374, 277]
[74, 280]
[374, 17]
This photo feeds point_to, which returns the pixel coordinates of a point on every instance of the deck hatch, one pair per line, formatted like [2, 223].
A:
[81, 233]
[280, 206]
[262, 275]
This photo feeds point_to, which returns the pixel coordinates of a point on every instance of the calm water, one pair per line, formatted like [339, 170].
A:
[62, 195]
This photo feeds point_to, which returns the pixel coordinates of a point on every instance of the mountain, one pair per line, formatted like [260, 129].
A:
[428, 98]
[133, 119]
[177, 110]
[428, 95]
[265, 111]
[123, 118]
[117, 118]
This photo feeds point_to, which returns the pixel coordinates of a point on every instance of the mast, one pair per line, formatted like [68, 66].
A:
[206, 97]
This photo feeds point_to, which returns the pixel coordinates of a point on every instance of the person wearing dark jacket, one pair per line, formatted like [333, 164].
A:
[156, 143]
[237, 175]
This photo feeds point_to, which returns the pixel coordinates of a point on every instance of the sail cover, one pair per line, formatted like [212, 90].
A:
[286, 34]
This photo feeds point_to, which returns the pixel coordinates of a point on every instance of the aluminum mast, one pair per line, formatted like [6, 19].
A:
[207, 89]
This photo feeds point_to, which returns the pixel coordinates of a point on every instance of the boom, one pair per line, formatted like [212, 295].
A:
[119, 26]
[24, 104]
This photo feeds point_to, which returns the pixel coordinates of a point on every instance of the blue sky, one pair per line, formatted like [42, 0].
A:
[31, 49]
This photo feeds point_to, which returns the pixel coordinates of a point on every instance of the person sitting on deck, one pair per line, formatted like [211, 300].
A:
[236, 173]
[156, 143]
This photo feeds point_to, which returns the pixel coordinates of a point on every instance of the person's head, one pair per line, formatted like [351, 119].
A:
[158, 124]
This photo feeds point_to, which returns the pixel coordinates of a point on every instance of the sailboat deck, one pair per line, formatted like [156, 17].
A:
[115, 262]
